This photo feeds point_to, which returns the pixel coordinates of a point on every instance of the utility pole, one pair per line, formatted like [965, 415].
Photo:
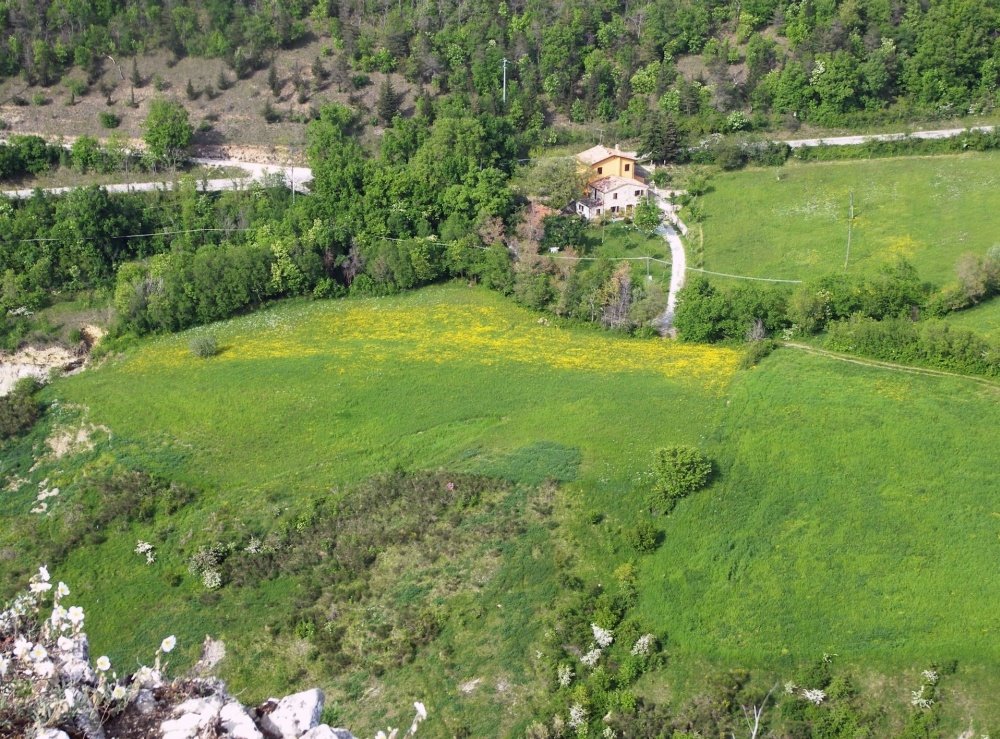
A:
[850, 226]
[505, 63]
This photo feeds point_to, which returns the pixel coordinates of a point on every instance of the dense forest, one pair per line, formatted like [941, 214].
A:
[720, 65]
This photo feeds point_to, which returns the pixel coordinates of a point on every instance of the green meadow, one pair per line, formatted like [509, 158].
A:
[853, 511]
[792, 222]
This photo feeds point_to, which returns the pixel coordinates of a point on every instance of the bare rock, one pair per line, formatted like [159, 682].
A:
[145, 702]
[213, 651]
[325, 732]
[236, 722]
[194, 715]
[294, 715]
[51, 734]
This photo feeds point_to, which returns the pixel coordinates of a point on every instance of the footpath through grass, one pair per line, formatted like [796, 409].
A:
[792, 222]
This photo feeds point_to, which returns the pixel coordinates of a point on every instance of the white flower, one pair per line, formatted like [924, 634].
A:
[40, 587]
[603, 637]
[919, 701]
[930, 676]
[609, 733]
[168, 644]
[577, 715]
[211, 579]
[62, 590]
[790, 687]
[643, 645]
[103, 663]
[38, 653]
[21, 648]
[591, 657]
[4, 665]
[118, 693]
[65, 644]
[814, 695]
[420, 709]
[45, 669]
[75, 615]
[58, 614]
[43, 573]
[565, 675]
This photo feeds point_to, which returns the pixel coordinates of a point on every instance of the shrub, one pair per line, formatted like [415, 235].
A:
[270, 113]
[204, 347]
[643, 537]
[76, 87]
[19, 410]
[108, 120]
[678, 471]
[756, 351]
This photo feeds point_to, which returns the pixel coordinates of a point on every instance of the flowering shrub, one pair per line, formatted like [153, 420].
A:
[145, 548]
[814, 695]
[642, 645]
[603, 637]
[564, 675]
[46, 679]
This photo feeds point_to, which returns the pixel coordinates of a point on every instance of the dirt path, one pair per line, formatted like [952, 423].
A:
[678, 259]
[892, 366]
[944, 133]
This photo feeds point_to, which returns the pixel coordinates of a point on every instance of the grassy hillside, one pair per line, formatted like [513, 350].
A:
[854, 515]
[853, 510]
[307, 398]
[791, 223]
[984, 318]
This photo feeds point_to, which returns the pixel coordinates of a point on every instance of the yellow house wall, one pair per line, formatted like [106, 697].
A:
[612, 167]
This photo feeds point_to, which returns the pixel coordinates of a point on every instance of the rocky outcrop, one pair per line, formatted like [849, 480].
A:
[37, 363]
[202, 709]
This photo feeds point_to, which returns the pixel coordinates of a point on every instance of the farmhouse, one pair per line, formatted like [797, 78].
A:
[613, 188]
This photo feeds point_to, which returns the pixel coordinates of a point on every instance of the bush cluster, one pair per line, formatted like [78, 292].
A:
[20, 408]
[678, 471]
[929, 343]
[204, 347]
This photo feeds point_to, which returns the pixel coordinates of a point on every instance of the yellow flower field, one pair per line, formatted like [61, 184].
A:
[369, 332]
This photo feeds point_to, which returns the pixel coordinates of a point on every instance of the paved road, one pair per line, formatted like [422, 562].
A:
[255, 172]
[944, 133]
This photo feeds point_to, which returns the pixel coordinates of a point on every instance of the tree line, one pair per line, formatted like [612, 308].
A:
[721, 65]
[887, 315]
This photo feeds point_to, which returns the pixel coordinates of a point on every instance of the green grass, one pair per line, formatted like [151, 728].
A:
[307, 398]
[855, 515]
[792, 222]
[983, 319]
[620, 240]
[853, 512]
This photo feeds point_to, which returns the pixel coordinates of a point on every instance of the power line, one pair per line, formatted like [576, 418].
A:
[134, 236]
[741, 277]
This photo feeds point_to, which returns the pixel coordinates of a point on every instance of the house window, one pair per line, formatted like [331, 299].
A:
[597, 212]
[615, 196]
[637, 193]
[614, 208]
[600, 170]
[628, 167]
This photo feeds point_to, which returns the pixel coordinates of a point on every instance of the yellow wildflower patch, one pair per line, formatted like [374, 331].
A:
[446, 330]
